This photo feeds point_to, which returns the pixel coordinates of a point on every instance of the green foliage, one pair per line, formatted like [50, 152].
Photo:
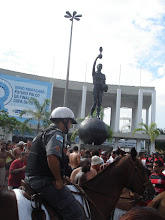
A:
[40, 114]
[74, 135]
[110, 133]
[161, 131]
[150, 130]
[9, 123]
[101, 113]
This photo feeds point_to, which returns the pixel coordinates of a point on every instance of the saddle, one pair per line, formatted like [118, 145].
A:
[38, 213]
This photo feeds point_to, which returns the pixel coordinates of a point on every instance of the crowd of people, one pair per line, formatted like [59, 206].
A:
[46, 162]
[80, 165]
[13, 157]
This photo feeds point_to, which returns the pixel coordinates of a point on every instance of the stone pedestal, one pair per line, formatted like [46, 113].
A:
[96, 147]
[93, 131]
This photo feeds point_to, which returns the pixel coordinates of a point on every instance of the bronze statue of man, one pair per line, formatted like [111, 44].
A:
[99, 85]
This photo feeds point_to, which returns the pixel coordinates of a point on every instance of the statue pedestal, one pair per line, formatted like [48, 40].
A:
[93, 130]
[96, 147]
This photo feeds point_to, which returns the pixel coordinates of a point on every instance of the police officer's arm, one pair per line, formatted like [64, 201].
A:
[54, 165]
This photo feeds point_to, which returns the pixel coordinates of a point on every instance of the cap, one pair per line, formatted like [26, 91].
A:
[95, 160]
[21, 143]
[103, 152]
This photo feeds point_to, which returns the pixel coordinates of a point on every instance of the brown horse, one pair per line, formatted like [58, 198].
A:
[102, 192]
[142, 213]
[159, 203]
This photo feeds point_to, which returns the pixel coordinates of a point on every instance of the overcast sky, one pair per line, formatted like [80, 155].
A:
[35, 39]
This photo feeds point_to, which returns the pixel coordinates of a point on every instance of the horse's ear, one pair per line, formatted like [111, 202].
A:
[133, 153]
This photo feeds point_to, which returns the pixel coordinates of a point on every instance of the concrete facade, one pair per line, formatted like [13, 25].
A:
[80, 100]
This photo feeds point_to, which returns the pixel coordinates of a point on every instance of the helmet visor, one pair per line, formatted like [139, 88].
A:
[73, 121]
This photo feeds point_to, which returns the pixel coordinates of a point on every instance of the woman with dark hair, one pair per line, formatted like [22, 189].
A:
[9, 160]
[3, 155]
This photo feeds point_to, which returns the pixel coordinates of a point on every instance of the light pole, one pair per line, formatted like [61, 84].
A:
[77, 18]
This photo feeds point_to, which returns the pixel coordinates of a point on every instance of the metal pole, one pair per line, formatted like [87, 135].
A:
[67, 77]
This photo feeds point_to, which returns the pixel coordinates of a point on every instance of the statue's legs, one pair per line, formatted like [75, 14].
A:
[93, 108]
[100, 94]
[95, 92]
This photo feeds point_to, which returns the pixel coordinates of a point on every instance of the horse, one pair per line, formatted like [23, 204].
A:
[142, 213]
[102, 192]
[159, 203]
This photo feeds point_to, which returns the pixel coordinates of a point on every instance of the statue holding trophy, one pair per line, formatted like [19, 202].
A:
[99, 85]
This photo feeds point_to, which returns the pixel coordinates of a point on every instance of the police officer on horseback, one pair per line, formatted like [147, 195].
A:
[44, 169]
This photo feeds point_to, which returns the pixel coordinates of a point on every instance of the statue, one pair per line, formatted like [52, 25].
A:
[99, 85]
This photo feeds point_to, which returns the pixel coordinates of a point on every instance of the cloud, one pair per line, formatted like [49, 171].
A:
[35, 39]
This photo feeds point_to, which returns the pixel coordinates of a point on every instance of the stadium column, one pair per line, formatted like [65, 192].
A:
[118, 104]
[83, 103]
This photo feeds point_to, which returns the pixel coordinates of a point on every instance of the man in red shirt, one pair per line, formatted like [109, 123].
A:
[17, 171]
[157, 157]
[158, 178]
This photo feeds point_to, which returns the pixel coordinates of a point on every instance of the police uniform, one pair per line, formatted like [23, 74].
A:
[40, 178]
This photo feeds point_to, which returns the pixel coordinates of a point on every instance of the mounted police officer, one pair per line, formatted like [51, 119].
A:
[44, 169]
[99, 85]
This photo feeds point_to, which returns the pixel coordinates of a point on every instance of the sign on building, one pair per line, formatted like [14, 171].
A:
[15, 93]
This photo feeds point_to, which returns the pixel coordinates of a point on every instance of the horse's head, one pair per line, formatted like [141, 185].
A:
[139, 180]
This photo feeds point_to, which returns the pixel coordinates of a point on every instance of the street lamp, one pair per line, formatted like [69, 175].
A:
[77, 18]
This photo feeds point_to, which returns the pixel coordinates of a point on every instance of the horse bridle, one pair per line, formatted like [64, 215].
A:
[145, 195]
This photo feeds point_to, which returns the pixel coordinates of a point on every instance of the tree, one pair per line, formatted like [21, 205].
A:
[161, 131]
[150, 130]
[40, 114]
[9, 123]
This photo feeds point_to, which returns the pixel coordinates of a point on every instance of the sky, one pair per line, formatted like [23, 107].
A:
[35, 39]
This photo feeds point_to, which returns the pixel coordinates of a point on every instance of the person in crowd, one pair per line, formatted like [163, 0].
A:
[85, 173]
[142, 158]
[103, 156]
[158, 178]
[74, 158]
[17, 151]
[157, 157]
[112, 157]
[28, 146]
[151, 158]
[9, 160]
[3, 155]
[82, 153]
[45, 168]
[96, 163]
[87, 154]
[89, 174]
[17, 171]
[95, 153]
[67, 167]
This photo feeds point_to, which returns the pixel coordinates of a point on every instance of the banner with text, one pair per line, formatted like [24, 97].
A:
[15, 93]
